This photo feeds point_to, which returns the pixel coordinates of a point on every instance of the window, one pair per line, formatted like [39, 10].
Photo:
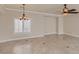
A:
[22, 26]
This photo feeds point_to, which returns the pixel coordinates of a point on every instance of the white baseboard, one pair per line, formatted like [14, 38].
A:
[37, 36]
[60, 33]
[49, 33]
[21, 38]
[42, 35]
[71, 35]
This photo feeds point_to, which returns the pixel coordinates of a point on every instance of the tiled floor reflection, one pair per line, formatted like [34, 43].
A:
[50, 44]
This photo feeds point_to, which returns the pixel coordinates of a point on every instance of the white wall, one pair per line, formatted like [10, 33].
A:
[59, 25]
[41, 24]
[71, 25]
[49, 25]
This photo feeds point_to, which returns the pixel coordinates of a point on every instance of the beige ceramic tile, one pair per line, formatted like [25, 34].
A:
[50, 44]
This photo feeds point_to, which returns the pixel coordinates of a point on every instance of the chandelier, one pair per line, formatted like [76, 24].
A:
[23, 17]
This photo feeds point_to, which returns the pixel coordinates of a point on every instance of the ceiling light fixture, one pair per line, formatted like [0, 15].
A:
[23, 17]
[65, 10]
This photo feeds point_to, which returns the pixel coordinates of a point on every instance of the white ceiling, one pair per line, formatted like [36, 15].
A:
[47, 8]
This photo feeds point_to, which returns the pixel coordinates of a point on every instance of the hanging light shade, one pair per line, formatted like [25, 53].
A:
[23, 17]
[65, 14]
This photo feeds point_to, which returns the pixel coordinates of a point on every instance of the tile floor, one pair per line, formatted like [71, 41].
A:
[50, 44]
